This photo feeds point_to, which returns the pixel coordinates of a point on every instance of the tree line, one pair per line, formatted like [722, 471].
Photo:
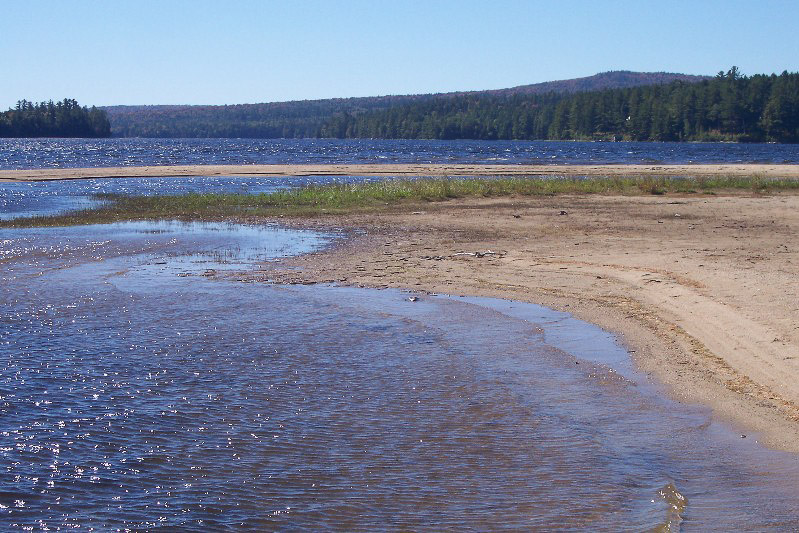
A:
[47, 119]
[728, 107]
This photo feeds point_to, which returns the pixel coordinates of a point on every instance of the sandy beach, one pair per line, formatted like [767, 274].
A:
[768, 171]
[703, 290]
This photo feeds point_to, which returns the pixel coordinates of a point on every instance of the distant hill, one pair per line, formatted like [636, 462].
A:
[302, 118]
[299, 118]
[609, 106]
[615, 79]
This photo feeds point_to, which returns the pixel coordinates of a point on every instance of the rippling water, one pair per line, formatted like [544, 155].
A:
[134, 393]
[65, 153]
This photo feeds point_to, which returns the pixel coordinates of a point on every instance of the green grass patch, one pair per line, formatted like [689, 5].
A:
[332, 199]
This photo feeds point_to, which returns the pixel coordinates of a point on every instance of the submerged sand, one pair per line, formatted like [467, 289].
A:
[703, 290]
[770, 171]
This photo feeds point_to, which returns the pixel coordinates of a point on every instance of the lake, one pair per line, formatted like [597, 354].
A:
[143, 386]
[67, 153]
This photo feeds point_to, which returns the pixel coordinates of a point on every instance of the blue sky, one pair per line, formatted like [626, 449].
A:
[217, 52]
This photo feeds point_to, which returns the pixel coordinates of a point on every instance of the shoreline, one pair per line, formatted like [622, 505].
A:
[701, 288]
[698, 300]
[774, 171]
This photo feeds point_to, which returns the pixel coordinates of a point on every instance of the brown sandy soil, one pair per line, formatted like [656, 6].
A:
[771, 171]
[704, 290]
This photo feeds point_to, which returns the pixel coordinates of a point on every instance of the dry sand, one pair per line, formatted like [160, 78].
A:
[776, 171]
[703, 290]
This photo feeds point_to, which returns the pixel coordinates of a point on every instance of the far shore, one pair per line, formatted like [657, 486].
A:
[402, 170]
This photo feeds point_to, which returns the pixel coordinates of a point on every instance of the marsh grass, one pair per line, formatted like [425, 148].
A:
[360, 197]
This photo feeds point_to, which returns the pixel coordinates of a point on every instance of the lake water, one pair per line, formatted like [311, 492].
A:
[65, 153]
[135, 393]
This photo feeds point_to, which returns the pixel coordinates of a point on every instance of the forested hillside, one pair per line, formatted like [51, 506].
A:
[728, 107]
[312, 118]
[272, 120]
[48, 119]
[615, 79]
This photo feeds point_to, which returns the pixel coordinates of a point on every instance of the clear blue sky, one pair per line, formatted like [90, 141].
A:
[226, 51]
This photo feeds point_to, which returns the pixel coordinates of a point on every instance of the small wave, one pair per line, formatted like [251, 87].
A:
[676, 509]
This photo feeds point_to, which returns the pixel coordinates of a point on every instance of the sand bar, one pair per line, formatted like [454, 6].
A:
[704, 290]
[770, 171]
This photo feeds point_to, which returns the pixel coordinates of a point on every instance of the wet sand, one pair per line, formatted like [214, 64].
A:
[770, 171]
[703, 290]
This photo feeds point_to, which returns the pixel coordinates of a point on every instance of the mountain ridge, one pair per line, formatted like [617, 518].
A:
[612, 79]
[619, 105]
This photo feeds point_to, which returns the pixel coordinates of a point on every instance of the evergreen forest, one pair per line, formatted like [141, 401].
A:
[47, 119]
[727, 107]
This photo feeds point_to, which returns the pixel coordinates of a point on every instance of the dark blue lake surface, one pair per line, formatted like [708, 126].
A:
[65, 153]
[135, 393]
